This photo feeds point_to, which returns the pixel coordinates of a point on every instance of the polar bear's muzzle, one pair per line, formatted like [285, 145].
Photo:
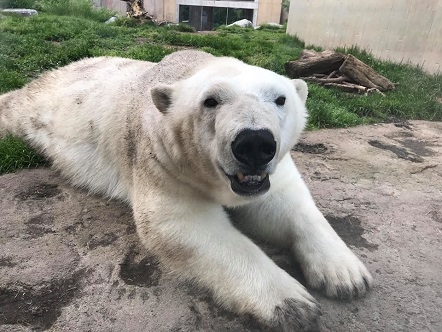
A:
[254, 149]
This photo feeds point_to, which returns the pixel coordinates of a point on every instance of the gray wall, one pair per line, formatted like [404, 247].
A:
[116, 5]
[400, 30]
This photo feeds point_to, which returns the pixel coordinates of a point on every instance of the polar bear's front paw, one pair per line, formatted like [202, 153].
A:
[282, 305]
[343, 276]
[294, 315]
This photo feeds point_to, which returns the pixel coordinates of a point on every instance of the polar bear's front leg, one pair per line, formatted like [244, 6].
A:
[288, 216]
[196, 240]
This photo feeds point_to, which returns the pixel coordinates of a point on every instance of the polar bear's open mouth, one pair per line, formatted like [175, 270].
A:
[250, 184]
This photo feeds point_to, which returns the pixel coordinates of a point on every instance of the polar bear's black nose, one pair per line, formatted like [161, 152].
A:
[254, 147]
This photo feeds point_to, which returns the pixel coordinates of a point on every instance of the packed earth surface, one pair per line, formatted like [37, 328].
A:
[70, 261]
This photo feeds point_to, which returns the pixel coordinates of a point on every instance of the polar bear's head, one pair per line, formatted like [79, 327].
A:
[241, 118]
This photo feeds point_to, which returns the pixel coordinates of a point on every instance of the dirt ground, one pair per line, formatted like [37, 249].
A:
[73, 262]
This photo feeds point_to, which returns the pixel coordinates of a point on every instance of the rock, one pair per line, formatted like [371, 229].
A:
[20, 11]
[271, 24]
[242, 23]
[73, 262]
[111, 20]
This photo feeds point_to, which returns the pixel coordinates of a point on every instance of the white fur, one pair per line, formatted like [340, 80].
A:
[141, 132]
[288, 216]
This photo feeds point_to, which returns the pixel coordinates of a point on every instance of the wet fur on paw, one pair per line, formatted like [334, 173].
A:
[344, 285]
[294, 315]
[348, 293]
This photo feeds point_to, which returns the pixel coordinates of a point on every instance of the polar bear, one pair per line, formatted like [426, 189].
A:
[192, 143]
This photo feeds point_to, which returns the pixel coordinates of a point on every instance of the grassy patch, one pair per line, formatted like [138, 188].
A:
[68, 30]
[15, 154]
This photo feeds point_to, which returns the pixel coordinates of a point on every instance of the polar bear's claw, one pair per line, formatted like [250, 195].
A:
[294, 315]
[340, 283]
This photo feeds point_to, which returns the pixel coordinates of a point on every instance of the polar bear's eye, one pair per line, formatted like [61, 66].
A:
[210, 102]
[280, 101]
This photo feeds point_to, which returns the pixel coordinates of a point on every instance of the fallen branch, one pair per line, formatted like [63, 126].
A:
[349, 87]
[376, 90]
[319, 75]
[333, 73]
[326, 80]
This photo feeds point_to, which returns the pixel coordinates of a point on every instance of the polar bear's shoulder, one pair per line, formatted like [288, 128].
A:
[179, 65]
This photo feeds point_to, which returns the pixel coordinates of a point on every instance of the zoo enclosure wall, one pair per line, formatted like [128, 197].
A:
[399, 30]
[264, 11]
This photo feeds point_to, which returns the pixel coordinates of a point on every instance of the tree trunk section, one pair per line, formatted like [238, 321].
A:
[135, 9]
[312, 62]
[364, 75]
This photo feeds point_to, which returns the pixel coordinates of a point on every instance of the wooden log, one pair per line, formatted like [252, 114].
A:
[333, 73]
[364, 75]
[326, 80]
[305, 54]
[312, 62]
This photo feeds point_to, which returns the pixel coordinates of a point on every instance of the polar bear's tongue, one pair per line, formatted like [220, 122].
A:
[250, 185]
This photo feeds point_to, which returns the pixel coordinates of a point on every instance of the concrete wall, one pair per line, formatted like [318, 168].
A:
[163, 10]
[116, 5]
[269, 11]
[400, 30]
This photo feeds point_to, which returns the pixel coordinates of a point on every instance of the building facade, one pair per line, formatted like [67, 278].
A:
[206, 14]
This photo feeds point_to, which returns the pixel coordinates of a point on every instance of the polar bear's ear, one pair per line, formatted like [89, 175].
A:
[301, 88]
[162, 97]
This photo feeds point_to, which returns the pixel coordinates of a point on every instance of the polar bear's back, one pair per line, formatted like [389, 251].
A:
[79, 114]
[91, 88]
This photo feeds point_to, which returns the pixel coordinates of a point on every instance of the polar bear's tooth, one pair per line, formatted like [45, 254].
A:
[251, 178]
[240, 177]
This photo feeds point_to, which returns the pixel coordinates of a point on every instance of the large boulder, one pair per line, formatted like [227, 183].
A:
[20, 11]
[244, 23]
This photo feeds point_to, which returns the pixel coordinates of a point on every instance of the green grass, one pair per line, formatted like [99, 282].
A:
[68, 30]
[15, 155]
